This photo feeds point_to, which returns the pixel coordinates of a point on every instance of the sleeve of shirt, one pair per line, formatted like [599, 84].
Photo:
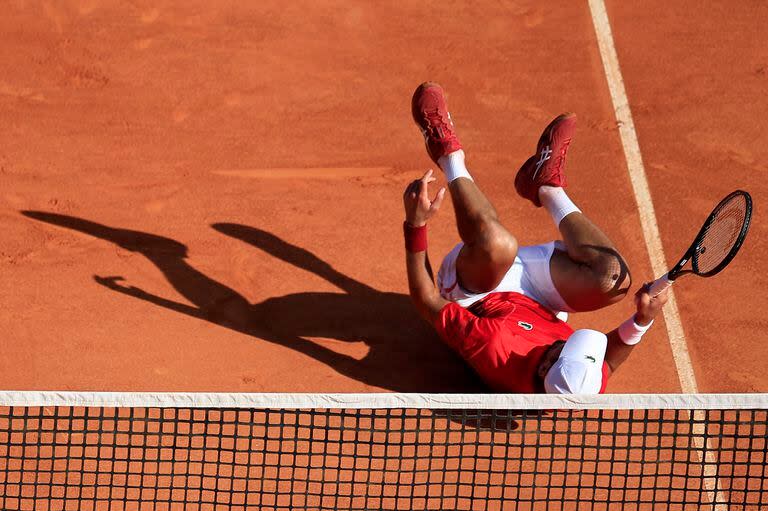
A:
[462, 330]
[606, 375]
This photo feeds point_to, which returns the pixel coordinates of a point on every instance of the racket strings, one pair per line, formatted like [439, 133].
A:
[721, 236]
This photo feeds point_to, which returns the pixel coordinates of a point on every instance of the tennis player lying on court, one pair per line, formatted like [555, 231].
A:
[499, 304]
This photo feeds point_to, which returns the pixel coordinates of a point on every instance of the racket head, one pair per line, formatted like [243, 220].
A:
[722, 234]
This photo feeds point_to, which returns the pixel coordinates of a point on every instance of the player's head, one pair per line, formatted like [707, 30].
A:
[575, 366]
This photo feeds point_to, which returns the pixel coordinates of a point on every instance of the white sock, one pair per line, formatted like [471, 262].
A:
[453, 166]
[556, 201]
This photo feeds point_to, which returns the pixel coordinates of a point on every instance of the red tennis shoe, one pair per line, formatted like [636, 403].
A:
[547, 166]
[430, 112]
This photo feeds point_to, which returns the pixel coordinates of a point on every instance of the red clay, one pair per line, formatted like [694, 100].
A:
[697, 89]
[240, 169]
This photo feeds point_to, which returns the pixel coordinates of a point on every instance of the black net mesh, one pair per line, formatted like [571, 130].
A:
[73, 458]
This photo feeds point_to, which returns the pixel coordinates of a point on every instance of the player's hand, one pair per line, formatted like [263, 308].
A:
[418, 207]
[114, 283]
[648, 307]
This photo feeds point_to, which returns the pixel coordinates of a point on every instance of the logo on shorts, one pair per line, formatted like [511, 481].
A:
[524, 325]
[591, 359]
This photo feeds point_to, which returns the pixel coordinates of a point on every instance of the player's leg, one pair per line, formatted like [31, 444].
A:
[489, 249]
[590, 273]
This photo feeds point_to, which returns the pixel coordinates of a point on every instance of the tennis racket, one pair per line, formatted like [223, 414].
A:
[716, 244]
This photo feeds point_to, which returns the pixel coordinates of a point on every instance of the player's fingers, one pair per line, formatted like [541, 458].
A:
[438, 199]
[642, 296]
[661, 297]
[426, 176]
[423, 190]
[644, 289]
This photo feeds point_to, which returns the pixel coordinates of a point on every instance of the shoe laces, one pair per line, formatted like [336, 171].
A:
[436, 125]
[563, 151]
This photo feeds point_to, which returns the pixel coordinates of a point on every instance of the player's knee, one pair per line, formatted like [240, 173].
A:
[499, 245]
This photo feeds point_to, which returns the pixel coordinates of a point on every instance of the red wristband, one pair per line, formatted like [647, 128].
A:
[415, 237]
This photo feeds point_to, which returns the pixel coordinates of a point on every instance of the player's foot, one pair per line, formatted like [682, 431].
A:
[430, 112]
[547, 166]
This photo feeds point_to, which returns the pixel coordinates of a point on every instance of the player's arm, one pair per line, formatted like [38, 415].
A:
[418, 209]
[423, 292]
[622, 340]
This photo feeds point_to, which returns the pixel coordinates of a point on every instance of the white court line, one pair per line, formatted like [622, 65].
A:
[653, 239]
[642, 192]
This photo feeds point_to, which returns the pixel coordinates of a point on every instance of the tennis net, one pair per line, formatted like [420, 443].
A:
[138, 451]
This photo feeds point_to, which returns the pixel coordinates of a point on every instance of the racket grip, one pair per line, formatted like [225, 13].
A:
[660, 285]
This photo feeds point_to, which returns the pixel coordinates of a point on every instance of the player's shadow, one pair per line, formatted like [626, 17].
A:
[404, 354]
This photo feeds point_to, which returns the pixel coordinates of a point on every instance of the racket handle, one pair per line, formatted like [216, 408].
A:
[660, 285]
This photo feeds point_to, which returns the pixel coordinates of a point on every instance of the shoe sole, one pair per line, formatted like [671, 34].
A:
[418, 92]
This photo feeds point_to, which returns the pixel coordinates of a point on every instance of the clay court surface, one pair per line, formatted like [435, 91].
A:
[202, 198]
